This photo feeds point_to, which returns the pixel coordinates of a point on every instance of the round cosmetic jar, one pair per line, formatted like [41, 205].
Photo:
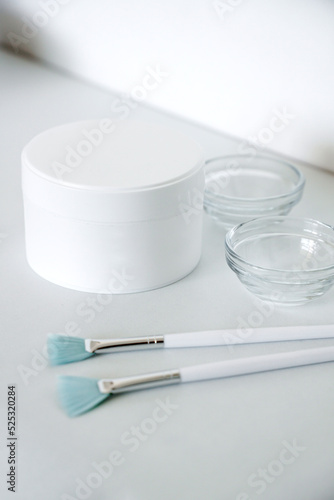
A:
[112, 207]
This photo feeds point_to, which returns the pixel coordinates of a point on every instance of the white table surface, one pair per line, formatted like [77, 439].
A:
[219, 435]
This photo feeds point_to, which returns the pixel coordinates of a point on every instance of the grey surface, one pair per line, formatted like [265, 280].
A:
[222, 432]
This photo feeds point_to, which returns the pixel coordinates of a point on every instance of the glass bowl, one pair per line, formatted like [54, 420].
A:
[241, 187]
[282, 259]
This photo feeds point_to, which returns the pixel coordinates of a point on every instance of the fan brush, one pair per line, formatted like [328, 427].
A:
[63, 349]
[79, 395]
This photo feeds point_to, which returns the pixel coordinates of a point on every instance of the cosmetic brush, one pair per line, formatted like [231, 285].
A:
[79, 394]
[65, 349]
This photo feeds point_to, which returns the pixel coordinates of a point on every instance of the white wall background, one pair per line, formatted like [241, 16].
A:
[232, 65]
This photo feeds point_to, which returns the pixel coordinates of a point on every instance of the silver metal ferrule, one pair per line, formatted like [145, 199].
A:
[137, 382]
[126, 344]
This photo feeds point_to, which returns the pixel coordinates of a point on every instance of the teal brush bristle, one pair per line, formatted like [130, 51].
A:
[63, 349]
[79, 394]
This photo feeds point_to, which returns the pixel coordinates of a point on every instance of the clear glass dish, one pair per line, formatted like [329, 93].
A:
[282, 259]
[241, 187]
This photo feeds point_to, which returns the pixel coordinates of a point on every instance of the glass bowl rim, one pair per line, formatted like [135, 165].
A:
[230, 252]
[299, 186]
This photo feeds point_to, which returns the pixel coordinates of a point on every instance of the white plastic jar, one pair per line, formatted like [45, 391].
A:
[112, 207]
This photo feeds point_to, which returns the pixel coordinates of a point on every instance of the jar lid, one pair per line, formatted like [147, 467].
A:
[102, 170]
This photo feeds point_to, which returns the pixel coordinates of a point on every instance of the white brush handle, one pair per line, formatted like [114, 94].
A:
[233, 336]
[210, 338]
[242, 366]
[230, 368]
